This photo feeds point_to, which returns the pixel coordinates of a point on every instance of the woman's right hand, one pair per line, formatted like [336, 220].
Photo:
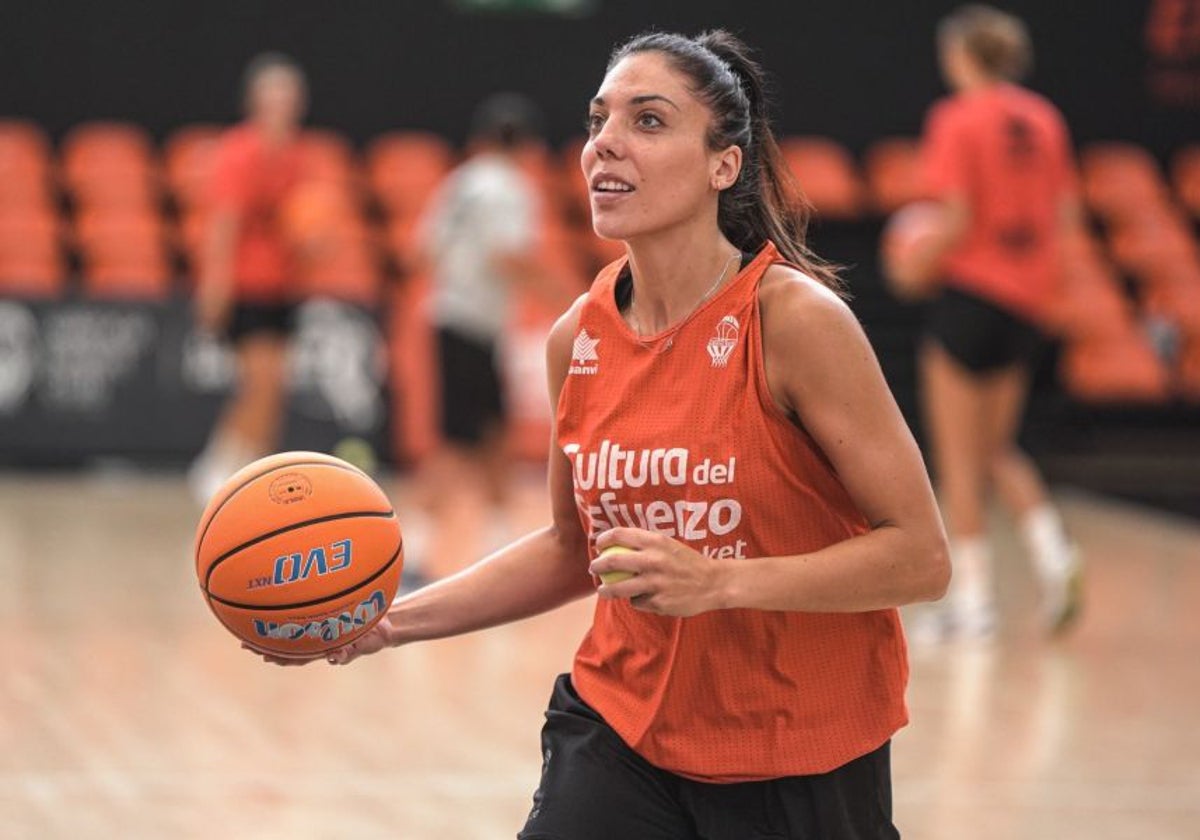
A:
[374, 640]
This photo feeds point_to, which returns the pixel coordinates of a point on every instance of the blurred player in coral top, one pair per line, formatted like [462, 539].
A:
[721, 416]
[246, 289]
[998, 159]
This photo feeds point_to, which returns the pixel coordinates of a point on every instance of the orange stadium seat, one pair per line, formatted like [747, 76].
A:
[892, 167]
[191, 236]
[405, 167]
[110, 165]
[401, 239]
[1177, 300]
[23, 136]
[25, 167]
[344, 267]
[31, 255]
[412, 357]
[189, 158]
[558, 249]
[572, 184]
[1189, 371]
[316, 208]
[1120, 180]
[1120, 368]
[328, 156]
[1152, 243]
[124, 256]
[1091, 304]
[1185, 178]
[827, 175]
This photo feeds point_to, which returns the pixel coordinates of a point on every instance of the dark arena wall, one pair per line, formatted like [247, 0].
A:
[853, 70]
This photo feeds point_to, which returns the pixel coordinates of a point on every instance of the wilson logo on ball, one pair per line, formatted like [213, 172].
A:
[302, 565]
[326, 629]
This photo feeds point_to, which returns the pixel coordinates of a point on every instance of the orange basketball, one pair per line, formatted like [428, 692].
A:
[298, 554]
[908, 230]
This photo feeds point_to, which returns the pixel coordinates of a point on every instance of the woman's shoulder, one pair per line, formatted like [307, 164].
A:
[799, 312]
[788, 294]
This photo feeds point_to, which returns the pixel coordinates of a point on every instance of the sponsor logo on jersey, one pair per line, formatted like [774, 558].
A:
[585, 361]
[721, 345]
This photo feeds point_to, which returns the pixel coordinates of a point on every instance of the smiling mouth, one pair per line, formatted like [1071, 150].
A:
[610, 186]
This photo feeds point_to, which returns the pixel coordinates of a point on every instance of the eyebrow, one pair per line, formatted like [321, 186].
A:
[640, 100]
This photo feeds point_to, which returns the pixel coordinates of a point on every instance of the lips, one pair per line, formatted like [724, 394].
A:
[606, 183]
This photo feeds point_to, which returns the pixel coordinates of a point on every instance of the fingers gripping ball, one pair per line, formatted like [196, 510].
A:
[299, 554]
[616, 576]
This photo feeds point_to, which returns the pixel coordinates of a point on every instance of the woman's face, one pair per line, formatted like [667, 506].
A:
[647, 163]
[958, 67]
[277, 98]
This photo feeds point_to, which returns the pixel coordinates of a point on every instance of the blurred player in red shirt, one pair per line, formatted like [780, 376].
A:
[998, 159]
[245, 291]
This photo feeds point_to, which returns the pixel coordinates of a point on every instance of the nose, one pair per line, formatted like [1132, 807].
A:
[607, 141]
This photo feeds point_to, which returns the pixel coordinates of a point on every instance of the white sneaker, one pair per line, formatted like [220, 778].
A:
[204, 478]
[1062, 591]
[928, 628]
[945, 623]
[974, 621]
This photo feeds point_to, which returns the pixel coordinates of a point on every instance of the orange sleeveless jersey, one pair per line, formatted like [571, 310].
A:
[678, 434]
[1008, 151]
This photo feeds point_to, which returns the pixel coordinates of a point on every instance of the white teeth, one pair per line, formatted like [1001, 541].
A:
[613, 186]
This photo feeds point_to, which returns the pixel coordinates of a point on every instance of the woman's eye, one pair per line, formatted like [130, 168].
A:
[593, 123]
[649, 121]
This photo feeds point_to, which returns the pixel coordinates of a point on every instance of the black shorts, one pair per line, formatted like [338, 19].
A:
[248, 319]
[472, 392]
[594, 787]
[980, 335]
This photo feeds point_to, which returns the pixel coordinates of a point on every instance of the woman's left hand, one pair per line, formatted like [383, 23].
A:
[669, 578]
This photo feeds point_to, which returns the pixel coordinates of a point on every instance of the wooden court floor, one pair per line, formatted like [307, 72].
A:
[126, 712]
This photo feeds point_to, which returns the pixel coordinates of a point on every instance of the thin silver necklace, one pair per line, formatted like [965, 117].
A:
[637, 325]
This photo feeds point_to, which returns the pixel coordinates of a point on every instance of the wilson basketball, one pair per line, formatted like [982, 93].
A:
[907, 231]
[298, 554]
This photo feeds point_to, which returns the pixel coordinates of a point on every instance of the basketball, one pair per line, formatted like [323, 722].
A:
[298, 554]
[907, 231]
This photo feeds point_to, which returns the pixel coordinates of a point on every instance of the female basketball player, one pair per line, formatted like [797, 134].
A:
[244, 291]
[721, 414]
[998, 159]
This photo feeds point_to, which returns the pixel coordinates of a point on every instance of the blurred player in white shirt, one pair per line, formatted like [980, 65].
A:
[480, 240]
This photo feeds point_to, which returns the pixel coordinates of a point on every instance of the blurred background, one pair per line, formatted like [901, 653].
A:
[110, 118]
[110, 123]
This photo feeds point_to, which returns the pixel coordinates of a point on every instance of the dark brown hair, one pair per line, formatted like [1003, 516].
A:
[765, 203]
[999, 42]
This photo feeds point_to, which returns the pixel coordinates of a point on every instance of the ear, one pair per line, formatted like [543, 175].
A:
[726, 165]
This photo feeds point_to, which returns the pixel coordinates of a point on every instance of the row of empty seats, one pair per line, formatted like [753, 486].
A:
[130, 218]
[114, 171]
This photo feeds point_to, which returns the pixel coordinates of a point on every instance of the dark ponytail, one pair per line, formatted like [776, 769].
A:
[765, 203]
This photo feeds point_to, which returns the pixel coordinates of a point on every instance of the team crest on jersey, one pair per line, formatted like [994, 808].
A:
[720, 346]
[584, 358]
